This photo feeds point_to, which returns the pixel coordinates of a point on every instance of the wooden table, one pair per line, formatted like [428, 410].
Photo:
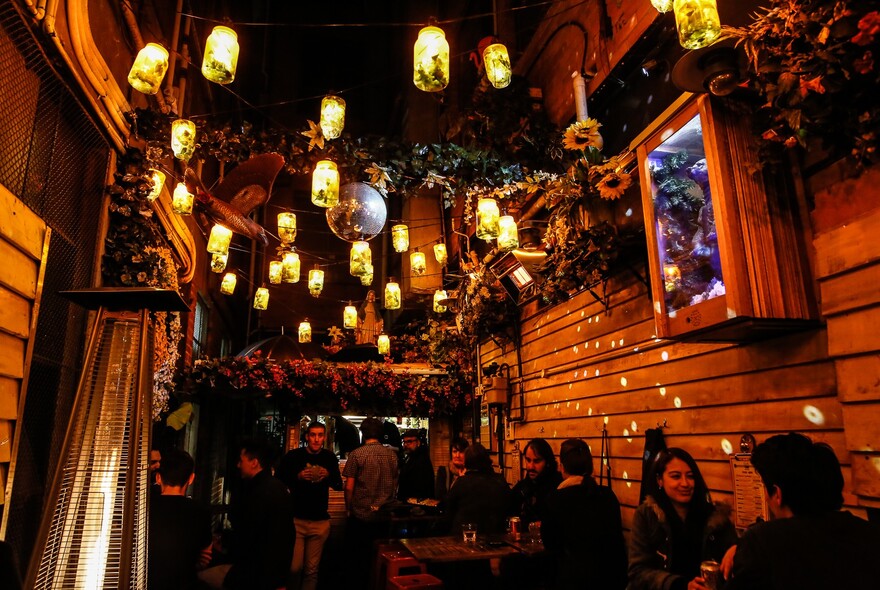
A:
[444, 549]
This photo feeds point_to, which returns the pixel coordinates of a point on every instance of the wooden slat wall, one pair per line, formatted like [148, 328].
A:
[22, 237]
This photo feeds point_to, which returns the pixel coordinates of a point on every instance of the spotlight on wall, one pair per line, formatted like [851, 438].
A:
[512, 275]
[719, 68]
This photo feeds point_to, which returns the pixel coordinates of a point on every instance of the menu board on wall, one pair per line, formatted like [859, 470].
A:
[750, 502]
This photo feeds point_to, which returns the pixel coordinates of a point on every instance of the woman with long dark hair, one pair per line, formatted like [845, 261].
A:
[677, 527]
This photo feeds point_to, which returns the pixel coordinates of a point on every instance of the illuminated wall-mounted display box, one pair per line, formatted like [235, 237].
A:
[725, 246]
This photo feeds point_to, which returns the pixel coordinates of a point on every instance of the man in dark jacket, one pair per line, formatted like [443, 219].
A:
[416, 470]
[542, 477]
[480, 496]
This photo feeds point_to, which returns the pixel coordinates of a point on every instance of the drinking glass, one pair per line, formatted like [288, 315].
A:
[535, 532]
[469, 533]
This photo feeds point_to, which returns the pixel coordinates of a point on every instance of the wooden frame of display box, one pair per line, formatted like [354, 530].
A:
[725, 240]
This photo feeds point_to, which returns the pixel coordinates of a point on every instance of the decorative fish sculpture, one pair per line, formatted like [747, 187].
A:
[247, 187]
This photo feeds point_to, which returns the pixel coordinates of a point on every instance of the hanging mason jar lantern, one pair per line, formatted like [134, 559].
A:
[276, 271]
[157, 181]
[316, 281]
[383, 343]
[227, 285]
[219, 240]
[367, 277]
[305, 331]
[218, 262]
[149, 68]
[221, 56]
[662, 6]
[261, 298]
[440, 254]
[487, 219]
[350, 317]
[439, 297]
[417, 263]
[183, 139]
[392, 294]
[497, 62]
[182, 200]
[697, 22]
[400, 238]
[360, 258]
[508, 235]
[287, 227]
[431, 60]
[290, 266]
[332, 116]
[325, 184]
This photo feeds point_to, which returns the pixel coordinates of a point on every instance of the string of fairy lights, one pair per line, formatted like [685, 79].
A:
[431, 59]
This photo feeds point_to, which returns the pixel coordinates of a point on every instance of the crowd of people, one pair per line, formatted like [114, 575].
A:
[281, 522]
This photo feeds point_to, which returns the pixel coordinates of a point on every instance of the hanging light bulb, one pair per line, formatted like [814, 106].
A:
[287, 228]
[182, 200]
[439, 297]
[221, 55]
[290, 266]
[350, 317]
[360, 258]
[219, 240]
[508, 235]
[440, 254]
[149, 68]
[261, 298]
[662, 6]
[305, 331]
[325, 184]
[218, 262]
[157, 181]
[332, 116]
[417, 263]
[383, 343]
[487, 219]
[431, 60]
[367, 277]
[392, 294]
[227, 285]
[697, 22]
[183, 139]
[497, 62]
[400, 238]
[316, 281]
[276, 271]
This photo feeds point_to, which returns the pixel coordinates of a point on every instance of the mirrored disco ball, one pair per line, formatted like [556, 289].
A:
[360, 214]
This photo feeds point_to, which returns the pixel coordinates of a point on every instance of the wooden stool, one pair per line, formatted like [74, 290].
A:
[421, 581]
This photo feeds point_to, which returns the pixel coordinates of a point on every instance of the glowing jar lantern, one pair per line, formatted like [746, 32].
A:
[487, 219]
[439, 297]
[182, 200]
[671, 277]
[157, 181]
[305, 331]
[497, 62]
[392, 294]
[325, 184]
[417, 263]
[367, 277]
[332, 116]
[227, 285]
[218, 262]
[219, 240]
[149, 68]
[697, 22]
[316, 281]
[350, 317]
[360, 258]
[183, 139]
[508, 235]
[400, 238]
[662, 5]
[384, 344]
[290, 266]
[276, 271]
[431, 60]
[440, 254]
[261, 298]
[287, 227]
[221, 56]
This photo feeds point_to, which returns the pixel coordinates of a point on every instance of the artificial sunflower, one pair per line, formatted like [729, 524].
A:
[612, 186]
[582, 135]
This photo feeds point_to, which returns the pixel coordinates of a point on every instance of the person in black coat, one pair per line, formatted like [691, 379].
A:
[581, 528]
[480, 496]
[542, 477]
[416, 470]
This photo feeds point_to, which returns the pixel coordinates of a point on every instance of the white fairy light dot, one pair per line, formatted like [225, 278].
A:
[590, 412]
[634, 426]
[663, 391]
[576, 374]
[589, 320]
[597, 344]
[577, 407]
[677, 402]
[575, 349]
[726, 446]
[620, 342]
[597, 319]
[626, 432]
[579, 329]
[597, 372]
[569, 386]
[583, 313]
[612, 344]
[664, 355]
[606, 419]
[814, 415]
[623, 381]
